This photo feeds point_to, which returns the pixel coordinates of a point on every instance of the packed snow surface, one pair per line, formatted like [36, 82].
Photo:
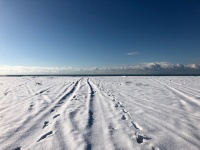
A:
[99, 113]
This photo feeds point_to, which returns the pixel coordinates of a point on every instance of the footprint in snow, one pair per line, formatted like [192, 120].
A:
[136, 125]
[155, 148]
[30, 107]
[56, 106]
[124, 110]
[141, 137]
[111, 129]
[120, 104]
[45, 136]
[56, 116]
[46, 123]
[123, 117]
[18, 148]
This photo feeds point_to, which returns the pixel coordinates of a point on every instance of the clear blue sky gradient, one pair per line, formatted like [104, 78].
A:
[91, 33]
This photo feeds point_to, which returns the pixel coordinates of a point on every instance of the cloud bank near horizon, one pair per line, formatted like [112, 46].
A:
[161, 68]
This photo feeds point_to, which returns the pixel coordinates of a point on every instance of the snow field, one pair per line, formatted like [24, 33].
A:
[109, 113]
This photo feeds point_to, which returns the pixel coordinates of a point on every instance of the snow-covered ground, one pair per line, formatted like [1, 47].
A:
[104, 113]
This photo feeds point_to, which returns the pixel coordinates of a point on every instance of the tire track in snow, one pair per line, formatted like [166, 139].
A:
[164, 109]
[192, 90]
[96, 137]
[72, 117]
[60, 114]
[164, 126]
[91, 105]
[90, 119]
[109, 120]
[180, 94]
[62, 129]
[33, 95]
[139, 137]
[38, 118]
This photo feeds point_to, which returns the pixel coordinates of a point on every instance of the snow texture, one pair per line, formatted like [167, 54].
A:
[100, 113]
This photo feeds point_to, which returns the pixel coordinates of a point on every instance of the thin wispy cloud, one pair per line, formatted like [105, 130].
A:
[132, 53]
[162, 68]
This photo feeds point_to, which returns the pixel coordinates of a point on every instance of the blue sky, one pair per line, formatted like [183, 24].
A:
[104, 33]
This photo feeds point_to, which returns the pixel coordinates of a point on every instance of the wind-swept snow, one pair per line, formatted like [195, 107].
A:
[104, 113]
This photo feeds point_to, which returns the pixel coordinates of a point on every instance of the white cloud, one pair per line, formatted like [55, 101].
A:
[145, 68]
[132, 53]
